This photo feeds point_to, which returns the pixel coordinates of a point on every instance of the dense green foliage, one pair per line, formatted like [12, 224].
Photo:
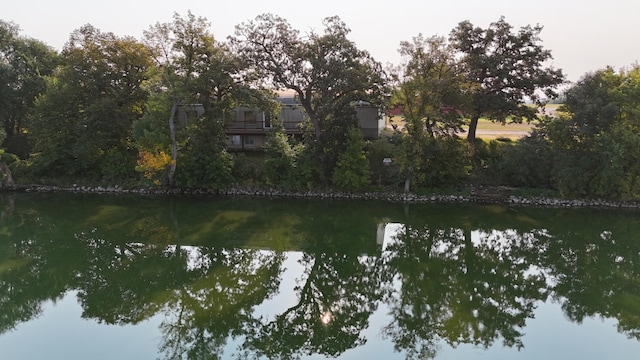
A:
[352, 171]
[280, 163]
[82, 124]
[112, 109]
[430, 87]
[592, 147]
[195, 86]
[24, 65]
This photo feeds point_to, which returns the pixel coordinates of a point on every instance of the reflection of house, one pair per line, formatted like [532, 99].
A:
[248, 127]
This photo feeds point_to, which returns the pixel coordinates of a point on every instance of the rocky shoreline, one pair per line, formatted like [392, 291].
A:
[479, 197]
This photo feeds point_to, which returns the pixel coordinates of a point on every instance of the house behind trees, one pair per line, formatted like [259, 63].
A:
[248, 126]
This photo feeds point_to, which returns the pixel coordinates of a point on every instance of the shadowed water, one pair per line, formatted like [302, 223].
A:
[132, 277]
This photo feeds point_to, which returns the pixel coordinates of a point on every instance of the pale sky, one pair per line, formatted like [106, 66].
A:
[583, 36]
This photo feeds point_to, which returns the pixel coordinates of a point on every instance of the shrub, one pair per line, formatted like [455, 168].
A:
[280, 161]
[352, 170]
[528, 163]
[445, 162]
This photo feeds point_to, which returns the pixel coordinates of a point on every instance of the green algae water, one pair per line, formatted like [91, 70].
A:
[142, 277]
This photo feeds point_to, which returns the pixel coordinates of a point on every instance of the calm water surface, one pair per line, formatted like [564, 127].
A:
[128, 277]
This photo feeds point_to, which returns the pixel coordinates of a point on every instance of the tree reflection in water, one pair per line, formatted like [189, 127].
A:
[444, 282]
[205, 294]
[451, 288]
[335, 300]
[218, 302]
[595, 271]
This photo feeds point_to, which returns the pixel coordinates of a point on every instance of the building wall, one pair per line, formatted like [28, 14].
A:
[249, 126]
[371, 121]
[244, 118]
[246, 142]
[291, 116]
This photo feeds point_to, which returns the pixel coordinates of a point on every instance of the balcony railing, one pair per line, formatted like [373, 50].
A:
[243, 127]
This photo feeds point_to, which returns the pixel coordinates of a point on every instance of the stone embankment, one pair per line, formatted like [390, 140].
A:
[480, 197]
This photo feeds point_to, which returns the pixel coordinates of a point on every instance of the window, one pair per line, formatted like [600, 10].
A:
[250, 117]
[267, 121]
[249, 140]
[235, 140]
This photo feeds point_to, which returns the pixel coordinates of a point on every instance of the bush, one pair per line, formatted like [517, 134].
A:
[445, 162]
[247, 169]
[205, 170]
[383, 174]
[280, 161]
[118, 164]
[352, 170]
[527, 163]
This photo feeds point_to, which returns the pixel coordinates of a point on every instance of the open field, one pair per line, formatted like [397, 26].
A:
[489, 130]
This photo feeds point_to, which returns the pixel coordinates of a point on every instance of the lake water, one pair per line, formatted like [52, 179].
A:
[141, 277]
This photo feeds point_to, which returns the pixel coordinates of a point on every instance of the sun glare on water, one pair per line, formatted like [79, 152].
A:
[326, 317]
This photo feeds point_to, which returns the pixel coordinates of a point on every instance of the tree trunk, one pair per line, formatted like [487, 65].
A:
[473, 126]
[174, 145]
[317, 128]
[407, 180]
[6, 180]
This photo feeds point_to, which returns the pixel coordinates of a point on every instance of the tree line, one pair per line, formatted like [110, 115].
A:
[104, 110]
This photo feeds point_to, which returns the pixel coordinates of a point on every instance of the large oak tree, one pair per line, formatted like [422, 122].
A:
[504, 69]
[325, 71]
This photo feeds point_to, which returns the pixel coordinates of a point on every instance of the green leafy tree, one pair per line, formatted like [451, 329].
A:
[323, 70]
[593, 105]
[280, 160]
[24, 65]
[83, 123]
[504, 69]
[430, 92]
[205, 161]
[175, 47]
[595, 140]
[194, 70]
[334, 141]
[352, 171]
[430, 86]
